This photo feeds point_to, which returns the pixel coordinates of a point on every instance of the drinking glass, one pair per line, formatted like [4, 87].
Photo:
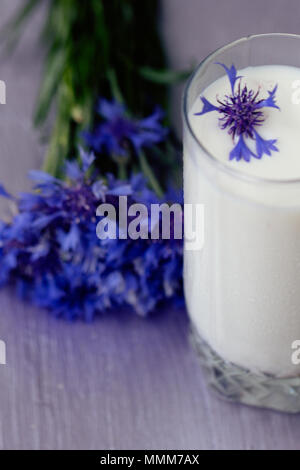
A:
[242, 287]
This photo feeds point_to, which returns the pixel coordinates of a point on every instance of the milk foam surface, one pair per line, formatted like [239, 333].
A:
[283, 125]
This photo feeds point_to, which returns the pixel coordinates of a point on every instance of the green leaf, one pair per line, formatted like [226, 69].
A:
[49, 86]
[164, 77]
[148, 172]
[115, 89]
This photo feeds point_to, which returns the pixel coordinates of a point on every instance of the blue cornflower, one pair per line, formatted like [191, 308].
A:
[51, 252]
[241, 113]
[4, 193]
[118, 132]
[72, 293]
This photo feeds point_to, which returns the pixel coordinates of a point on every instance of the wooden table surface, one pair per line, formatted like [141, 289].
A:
[122, 382]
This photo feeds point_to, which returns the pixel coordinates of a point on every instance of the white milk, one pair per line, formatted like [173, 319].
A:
[243, 288]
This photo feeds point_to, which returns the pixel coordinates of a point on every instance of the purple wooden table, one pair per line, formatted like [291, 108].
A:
[122, 382]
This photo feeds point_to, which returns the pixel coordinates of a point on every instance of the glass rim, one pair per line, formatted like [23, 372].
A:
[212, 159]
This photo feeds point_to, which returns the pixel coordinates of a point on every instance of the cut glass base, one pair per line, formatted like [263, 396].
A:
[240, 385]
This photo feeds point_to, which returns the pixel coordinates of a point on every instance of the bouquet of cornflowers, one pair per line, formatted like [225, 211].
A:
[51, 252]
[49, 249]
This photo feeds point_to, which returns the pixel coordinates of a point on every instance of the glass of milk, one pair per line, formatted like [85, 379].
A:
[242, 287]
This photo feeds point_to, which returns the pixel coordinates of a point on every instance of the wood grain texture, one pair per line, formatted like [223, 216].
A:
[122, 382]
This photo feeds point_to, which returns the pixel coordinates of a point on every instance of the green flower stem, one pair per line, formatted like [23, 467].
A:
[147, 170]
[115, 89]
[61, 135]
[122, 163]
[122, 171]
[71, 119]
[58, 147]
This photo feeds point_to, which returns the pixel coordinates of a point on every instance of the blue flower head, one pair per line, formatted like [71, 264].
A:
[118, 132]
[51, 253]
[241, 113]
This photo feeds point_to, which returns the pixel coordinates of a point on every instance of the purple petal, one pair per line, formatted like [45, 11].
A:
[270, 101]
[43, 221]
[241, 151]
[4, 193]
[40, 251]
[110, 110]
[152, 122]
[99, 189]
[122, 190]
[138, 182]
[69, 241]
[264, 146]
[86, 158]
[42, 177]
[232, 74]
[72, 170]
[11, 259]
[207, 107]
